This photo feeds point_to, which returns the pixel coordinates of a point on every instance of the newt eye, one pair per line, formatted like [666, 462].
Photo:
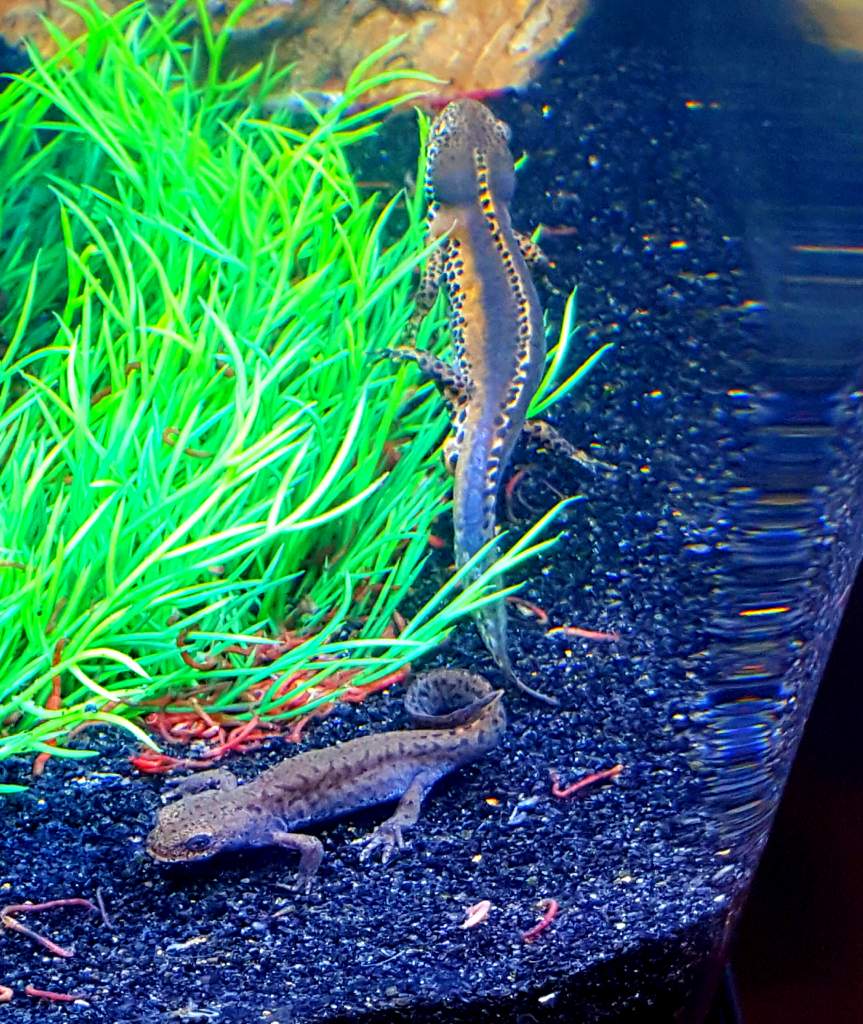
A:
[199, 843]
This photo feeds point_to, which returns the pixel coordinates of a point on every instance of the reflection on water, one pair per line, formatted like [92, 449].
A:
[786, 137]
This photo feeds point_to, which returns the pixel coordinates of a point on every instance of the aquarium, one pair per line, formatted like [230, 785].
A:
[429, 491]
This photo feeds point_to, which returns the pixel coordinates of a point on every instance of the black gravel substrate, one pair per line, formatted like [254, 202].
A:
[634, 864]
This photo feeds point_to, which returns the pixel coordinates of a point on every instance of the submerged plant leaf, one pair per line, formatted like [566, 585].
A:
[549, 391]
[196, 438]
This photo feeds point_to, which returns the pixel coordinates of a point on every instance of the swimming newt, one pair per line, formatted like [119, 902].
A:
[496, 325]
[461, 718]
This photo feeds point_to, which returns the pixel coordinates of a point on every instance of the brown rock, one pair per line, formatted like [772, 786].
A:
[474, 46]
[839, 23]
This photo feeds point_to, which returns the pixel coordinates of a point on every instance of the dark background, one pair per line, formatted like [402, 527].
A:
[799, 950]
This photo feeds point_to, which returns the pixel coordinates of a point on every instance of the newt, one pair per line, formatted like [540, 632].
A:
[496, 325]
[461, 717]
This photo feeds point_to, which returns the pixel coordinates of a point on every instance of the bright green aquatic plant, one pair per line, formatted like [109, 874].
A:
[196, 443]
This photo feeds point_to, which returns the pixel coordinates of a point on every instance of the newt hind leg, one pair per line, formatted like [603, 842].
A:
[388, 836]
[544, 435]
[533, 254]
[452, 385]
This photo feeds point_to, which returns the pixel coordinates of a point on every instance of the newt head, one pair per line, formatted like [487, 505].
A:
[464, 139]
[197, 827]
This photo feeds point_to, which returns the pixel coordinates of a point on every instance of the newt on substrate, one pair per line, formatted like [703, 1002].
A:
[497, 330]
[461, 718]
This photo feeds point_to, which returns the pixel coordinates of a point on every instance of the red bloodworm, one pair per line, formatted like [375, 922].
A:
[14, 924]
[551, 909]
[588, 634]
[586, 780]
[530, 607]
[52, 704]
[54, 997]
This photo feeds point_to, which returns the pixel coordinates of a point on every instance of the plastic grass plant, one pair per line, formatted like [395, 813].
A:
[199, 452]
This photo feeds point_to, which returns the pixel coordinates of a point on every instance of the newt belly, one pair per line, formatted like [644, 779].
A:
[496, 323]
